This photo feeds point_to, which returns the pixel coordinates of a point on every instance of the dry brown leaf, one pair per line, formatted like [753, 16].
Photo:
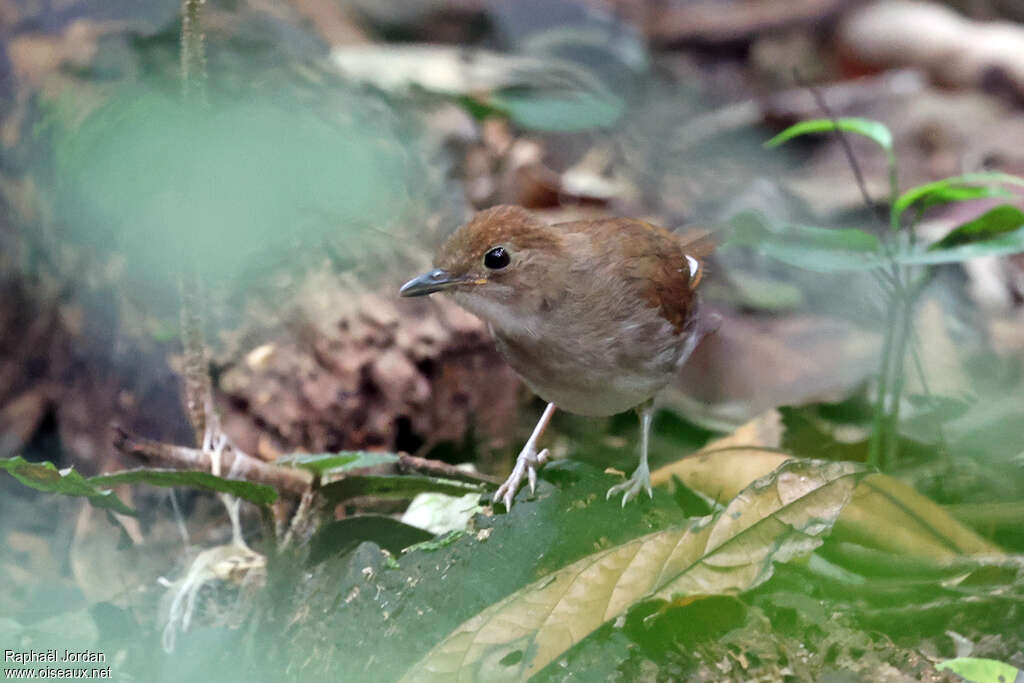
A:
[21, 417]
[952, 48]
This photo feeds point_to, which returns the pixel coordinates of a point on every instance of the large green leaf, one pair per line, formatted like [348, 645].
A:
[321, 463]
[342, 536]
[260, 494]
[776, 518]
[438, 586]
[45, 476]
[870, 129]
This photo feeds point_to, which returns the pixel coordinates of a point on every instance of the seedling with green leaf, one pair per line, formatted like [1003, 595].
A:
[896, 257]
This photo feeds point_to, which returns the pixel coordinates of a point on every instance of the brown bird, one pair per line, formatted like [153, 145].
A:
[596, 316]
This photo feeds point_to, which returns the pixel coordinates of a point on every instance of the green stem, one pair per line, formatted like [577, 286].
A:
[877, 433]
[894, 189]
[193, 50]
[890, 450]
[884, 445]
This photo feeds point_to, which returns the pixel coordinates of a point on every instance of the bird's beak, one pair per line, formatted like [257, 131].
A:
[434, 281]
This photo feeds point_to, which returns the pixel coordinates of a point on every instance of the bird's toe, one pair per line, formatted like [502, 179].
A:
[631, 488]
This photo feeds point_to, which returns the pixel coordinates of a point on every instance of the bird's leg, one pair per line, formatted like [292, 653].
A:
[527, 462]
[641, 479]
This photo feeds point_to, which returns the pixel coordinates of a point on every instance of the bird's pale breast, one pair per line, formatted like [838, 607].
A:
[593, 355]
[614, 330]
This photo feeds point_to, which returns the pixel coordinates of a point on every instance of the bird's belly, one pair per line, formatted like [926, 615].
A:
[594, 376]
[598, 396]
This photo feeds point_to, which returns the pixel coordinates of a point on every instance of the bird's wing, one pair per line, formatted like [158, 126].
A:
[663, 269]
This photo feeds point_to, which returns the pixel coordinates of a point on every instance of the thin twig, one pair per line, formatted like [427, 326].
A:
[875, 209]
[195, 366]
[193, 49]
[442, 469]
[301, 519]
[792, 104]
[289, 482]
[198, 386]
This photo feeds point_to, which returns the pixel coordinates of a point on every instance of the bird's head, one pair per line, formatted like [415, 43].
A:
[499, 260]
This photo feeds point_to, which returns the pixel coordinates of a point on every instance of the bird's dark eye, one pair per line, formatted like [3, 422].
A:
[497, 258]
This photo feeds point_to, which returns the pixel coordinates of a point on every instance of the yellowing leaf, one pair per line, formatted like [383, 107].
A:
[887, 514]
[774, 519]
[884, 513]
[725, 466]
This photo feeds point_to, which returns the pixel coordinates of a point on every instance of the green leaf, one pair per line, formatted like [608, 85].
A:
[393, 486]
[819, 249]
[870, 129]
[961, 193]
[321, 463]
[776, 518]
[44, 476]
[955, 189]
[978, 670]
[342, 536]
[999, 221]
[563, 111]
[839, 250]
[1003, 245]
[260, 494]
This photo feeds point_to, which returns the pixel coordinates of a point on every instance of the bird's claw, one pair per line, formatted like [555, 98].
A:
[630, 489]
[526, 465]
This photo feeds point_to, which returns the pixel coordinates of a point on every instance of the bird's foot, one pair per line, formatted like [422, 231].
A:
[526, 466]
[631, 488]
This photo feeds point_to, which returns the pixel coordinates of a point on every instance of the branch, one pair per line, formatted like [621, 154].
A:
[876, 210]
[437, 468]
[289, 482]
[873, 207]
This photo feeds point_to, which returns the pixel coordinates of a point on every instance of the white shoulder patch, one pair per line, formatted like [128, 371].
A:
[694, 265]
